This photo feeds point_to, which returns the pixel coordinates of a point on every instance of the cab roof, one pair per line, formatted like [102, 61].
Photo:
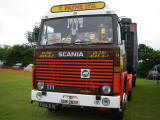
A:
[89, 8]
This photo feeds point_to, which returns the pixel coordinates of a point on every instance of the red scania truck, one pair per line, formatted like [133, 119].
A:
[86, 56]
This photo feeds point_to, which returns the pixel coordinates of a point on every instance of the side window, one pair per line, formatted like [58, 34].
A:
[119, 34]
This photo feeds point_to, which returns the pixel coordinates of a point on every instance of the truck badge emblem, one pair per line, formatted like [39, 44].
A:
[85, 73]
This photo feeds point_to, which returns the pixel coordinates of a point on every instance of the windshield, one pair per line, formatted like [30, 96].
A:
[77, 30]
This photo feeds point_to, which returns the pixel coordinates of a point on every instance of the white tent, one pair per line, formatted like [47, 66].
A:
[28, 68]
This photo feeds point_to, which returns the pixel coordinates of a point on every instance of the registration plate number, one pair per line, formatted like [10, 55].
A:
[70, 102]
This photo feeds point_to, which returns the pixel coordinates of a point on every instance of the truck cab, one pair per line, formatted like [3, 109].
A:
[81, 58]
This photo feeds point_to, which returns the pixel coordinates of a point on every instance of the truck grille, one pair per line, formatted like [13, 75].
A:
[67, 72]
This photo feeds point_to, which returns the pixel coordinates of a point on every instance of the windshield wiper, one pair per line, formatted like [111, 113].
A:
[79, 42]
[88, 42]
[59, 44]
[99, 43]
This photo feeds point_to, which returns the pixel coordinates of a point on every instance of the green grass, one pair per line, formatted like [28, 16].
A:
[145, 104]
[15, 88]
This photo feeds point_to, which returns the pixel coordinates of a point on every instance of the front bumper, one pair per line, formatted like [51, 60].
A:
[83, 100]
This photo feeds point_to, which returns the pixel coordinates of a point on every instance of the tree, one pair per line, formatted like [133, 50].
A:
[144, 52]
[30, 36]
[3, 52]
[19, 54]
[148, 58]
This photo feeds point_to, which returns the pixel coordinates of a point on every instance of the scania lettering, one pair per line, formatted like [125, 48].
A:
[86, 56]
[70, 54]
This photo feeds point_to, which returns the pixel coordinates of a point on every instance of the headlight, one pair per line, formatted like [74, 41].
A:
[106, 89]
[105, 101]
[39, 95]
[40, 85]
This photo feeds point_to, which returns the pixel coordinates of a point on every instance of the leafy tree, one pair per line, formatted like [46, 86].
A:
[19, 54]
[3, 52]
[148, 58]
[144, 52]
[30, 36]
[28, 55]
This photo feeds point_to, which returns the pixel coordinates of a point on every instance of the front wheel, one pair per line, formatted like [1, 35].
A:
[133, 80]
[117, 114]
[129, 95]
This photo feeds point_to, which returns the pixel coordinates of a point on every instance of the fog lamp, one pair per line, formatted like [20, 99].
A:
[39, 95]
[105, 101]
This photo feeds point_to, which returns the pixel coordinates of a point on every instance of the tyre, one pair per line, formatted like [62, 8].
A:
[134, 81]
[129, 95]
[117, 114]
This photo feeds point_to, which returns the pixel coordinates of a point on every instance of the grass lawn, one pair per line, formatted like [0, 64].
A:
[15, 88]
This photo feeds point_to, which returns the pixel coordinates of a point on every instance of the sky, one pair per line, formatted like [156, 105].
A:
[19, 16]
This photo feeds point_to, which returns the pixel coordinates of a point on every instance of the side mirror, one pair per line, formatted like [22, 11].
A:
[125, 28]
[36, 34]
[126, 21]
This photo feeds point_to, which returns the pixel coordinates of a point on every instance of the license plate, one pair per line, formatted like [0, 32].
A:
[47, 105]
[70, 102]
